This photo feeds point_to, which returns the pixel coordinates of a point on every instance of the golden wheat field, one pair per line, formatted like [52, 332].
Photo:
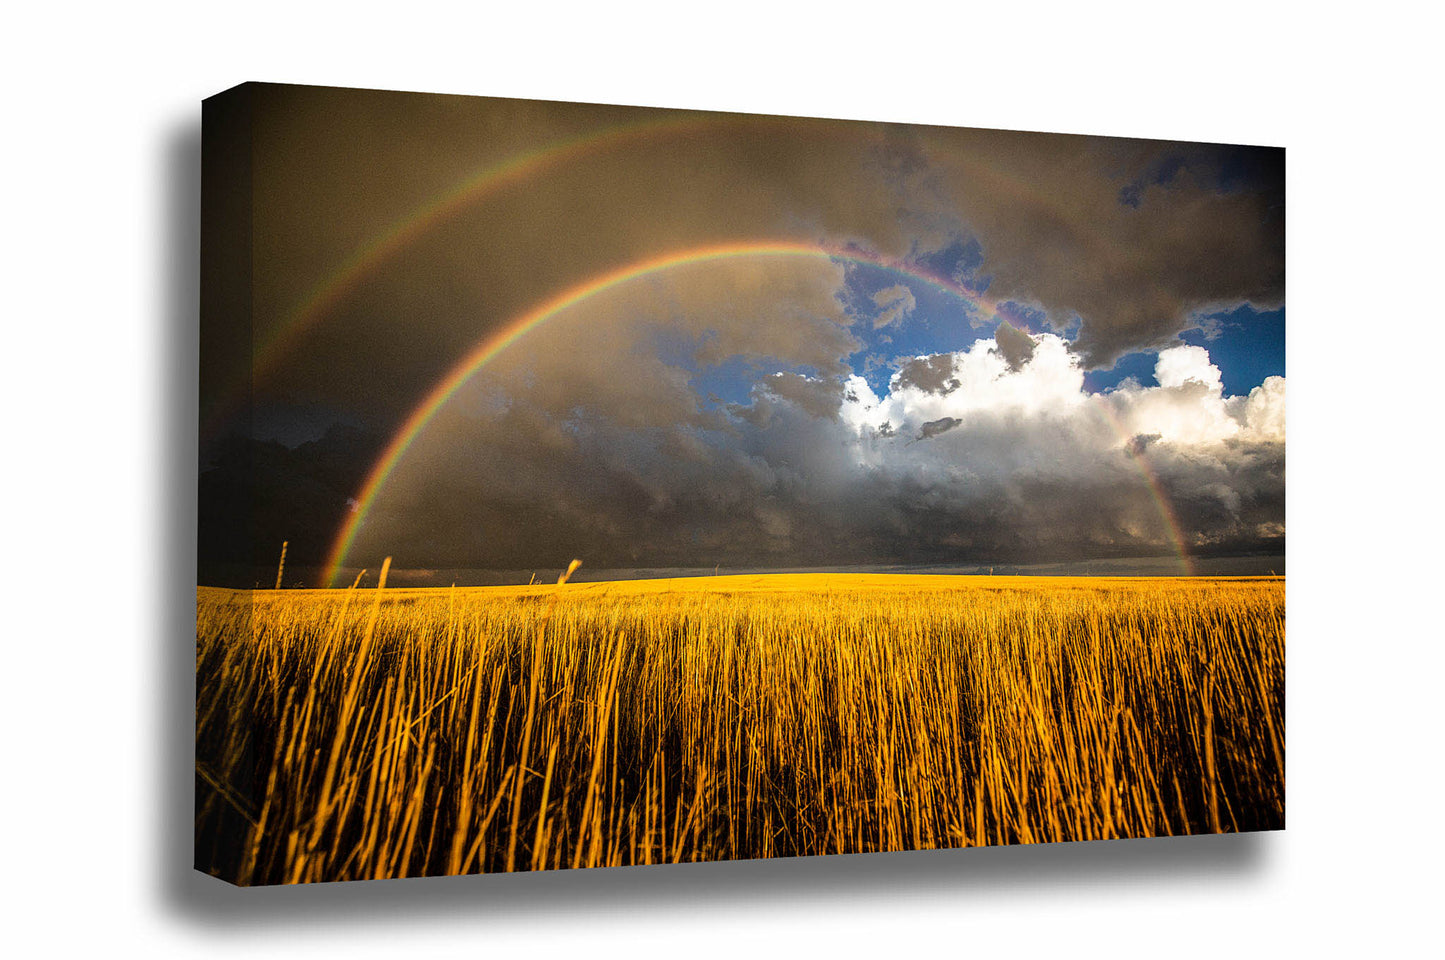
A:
[351, 734]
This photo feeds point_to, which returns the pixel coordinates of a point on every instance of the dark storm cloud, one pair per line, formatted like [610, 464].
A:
[335, 170]
[788, 479]
[1014, 345]
[1134, 237]
[787, 494]
[593, 435]
[934, 427]
[932, 374]
[815, 397]
[332, 174]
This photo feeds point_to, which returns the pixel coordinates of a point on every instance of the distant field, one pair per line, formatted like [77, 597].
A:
[352, 734]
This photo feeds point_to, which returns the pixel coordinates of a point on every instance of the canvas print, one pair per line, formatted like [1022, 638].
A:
[597, 486]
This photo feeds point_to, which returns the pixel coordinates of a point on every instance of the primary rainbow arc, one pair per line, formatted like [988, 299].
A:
[488, 349]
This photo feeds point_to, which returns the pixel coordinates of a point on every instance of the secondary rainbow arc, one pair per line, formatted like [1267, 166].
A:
[340, 282]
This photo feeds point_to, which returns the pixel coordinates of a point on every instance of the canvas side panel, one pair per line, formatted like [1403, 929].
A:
[226, 789]
[224, 525]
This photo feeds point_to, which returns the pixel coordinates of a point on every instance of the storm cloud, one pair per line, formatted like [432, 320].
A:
[1018, 466]
[931, 374]
[1134, 238]
[371, 198]
[1016, 347]
[733, 407]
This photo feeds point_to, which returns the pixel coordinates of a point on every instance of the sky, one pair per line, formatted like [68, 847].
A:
[485, 336]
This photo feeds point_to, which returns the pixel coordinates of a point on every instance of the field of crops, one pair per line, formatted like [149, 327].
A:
[352, 734]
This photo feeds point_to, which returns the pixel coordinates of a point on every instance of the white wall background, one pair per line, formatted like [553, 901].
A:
[99, 163]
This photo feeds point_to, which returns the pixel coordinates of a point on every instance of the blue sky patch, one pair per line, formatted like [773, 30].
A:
[1247, 345]
[1140, 366]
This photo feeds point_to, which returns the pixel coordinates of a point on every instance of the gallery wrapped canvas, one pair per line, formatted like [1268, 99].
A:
[595, 486]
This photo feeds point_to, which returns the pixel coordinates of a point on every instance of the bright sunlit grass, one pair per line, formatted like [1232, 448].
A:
[388, 733]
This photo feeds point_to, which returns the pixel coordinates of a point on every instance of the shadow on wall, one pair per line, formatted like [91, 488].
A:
[527, 899]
